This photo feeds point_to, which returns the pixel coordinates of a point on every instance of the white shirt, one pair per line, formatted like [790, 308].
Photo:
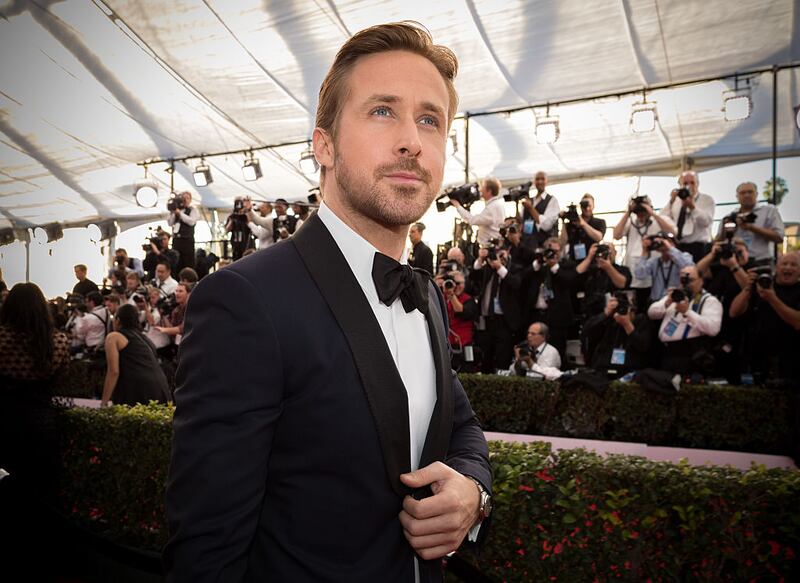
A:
[159, 339]
[488, 220]
[697, 226]
[406, 334]
[767, 217]
[676, 326]
[90, 329]
[167, 287]
[261, 227]
[548, 218]
[546, 356]
[633, 246]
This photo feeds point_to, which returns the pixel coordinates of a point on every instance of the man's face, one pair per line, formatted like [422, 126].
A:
[111, 306]
[164, 242]
[414, 235]
[131, 283]
[80, 274]
[742, 254]
[590, 208]
[162, 273]
[746, 196]
[280, 208]
[514, 237]
[689, 180]
[265, 209]
[486, 194]
[695, 281]
[455, 254]
[540, 181]
[555, 247]
[388, 157]
[187, 198]
[181, 294]
[787, 271]
[535, 336]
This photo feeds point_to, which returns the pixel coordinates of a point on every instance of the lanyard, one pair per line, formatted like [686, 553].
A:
[669, 272]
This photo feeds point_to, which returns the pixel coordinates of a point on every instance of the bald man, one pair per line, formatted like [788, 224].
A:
[693, 214]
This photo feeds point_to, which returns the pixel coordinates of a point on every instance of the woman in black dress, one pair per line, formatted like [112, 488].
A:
[133, 374]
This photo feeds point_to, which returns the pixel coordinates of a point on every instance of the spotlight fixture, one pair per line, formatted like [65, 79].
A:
[202, 174]
[39, 236]
[643, 116]
[94, 233]
[308, 162]
[737, 102]
[252, 168]
[547, 128]
[146, 193]
[797, 116]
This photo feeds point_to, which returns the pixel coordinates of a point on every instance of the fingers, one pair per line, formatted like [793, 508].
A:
[427, 475]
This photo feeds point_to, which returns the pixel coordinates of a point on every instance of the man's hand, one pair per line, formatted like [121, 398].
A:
[496, 263]
[603, 264]
[455, 203]
[611, 305]
[624, 320]
[767, 294]
[438, 524]
[527, 203]
[682, 306]
[648, 209]
[483, 253]
[688, 202]
[155, 249]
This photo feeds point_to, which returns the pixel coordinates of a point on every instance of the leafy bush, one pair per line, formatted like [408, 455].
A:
[713, 417]
[572, 515]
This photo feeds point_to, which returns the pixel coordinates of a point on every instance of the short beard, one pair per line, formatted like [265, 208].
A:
[400, 207]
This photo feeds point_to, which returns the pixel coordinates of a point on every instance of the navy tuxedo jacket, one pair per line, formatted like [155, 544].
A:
[291, 426]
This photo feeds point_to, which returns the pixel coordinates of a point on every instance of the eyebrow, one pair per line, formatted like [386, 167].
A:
[384, 98]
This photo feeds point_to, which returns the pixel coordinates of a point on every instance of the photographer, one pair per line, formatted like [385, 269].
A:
[421, 255]
[283, 225]
[772, 307]
[91, 327]
[760, 227]
[637, 223]
[236, 225]
[126, 264]
[176, 317]
[618, 338]
[134, 288]
[182, 219]
[581, 230]
[164, 282]
[663, 269]
[158, 250]
[150, 317]
[455, 261]
[690, 317]
[539, 218]
[462, 310]
[599, 275]
[491, 217]
[692, 212]
[535, 354]
[261, 224]
[500, 317]
[301, 211]
[548, 295]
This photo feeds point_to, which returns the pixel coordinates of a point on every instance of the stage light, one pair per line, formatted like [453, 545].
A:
[737, 104]
[251, 169]
[547, 130]
[202, 174]
[39, 236]
[643, 117]
[93, 232]
[146, 195]
[308, 162]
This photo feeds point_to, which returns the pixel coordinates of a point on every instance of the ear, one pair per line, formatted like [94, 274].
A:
[323, 147]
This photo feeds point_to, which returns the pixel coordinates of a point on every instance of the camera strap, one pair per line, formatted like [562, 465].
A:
[666, 277]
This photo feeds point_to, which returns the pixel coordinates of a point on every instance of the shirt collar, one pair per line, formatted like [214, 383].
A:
[358, 252]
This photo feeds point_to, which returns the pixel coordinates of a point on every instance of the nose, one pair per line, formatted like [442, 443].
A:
[408, 141]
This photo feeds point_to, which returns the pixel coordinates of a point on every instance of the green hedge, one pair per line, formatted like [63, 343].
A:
[708, 417]
[712, 417]
[571, 515]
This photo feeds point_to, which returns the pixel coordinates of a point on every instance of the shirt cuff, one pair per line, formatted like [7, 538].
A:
[502, 272]
[554, 269]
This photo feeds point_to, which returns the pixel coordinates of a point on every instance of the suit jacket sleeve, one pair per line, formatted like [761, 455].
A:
[228, 399]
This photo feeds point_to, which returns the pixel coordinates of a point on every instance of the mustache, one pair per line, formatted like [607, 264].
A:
[404, 165]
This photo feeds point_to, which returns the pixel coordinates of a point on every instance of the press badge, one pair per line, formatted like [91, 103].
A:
[580, 251]
[672, 325]
[618, 356]
[498, 309]
[528, 227]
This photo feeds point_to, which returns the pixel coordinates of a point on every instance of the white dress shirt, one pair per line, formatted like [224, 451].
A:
[261, 227]
[406, 334]
[549, 217]
[697, 227]
[676, 326]
[167, 287]
[90, 329]
[544, 357]
[488, 220]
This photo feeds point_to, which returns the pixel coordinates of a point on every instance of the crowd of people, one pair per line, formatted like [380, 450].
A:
[535, 294]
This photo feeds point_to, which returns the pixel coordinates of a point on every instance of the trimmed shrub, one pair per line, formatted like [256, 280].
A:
[572, 515]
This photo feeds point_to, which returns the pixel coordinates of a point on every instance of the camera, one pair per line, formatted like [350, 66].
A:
[75, 303]
[764, 276]
[571, 214]
[166, 304]
[518, 192]
[685, 279]
[449, 284]
[602, 251]
[238, 206]
[657, 240]
[638, 202]
[524, 349]
[678, 295]
[175, 203]
[734, 218]
[623, 303]
[138, 299]
[726, 251]
[509, 230]
[584, 204]
[683, 193]
[465, 194]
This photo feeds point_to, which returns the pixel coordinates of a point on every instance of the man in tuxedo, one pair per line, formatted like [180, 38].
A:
[335, 445]
[421, 255]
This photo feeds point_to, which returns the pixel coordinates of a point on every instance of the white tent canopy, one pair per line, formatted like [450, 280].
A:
[88, 89]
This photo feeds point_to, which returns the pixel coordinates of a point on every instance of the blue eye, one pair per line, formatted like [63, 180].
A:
[430, 120]
[381, 111]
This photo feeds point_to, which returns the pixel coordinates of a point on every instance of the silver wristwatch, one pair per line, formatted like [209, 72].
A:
[485, 506]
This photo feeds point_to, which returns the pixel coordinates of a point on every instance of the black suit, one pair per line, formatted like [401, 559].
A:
[421, 257]
[559, 315]
[291, 427]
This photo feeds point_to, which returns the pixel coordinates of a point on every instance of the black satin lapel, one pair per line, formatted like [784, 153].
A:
[384, 389]
[437, 441]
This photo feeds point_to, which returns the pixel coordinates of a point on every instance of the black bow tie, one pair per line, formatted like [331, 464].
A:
[393, 279]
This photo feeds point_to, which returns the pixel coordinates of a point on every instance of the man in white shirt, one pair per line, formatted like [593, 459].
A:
[689, 316]
[539, 218]
[352, 445]
[535, 355]
[90, 329]
[182, 220]
[261, 223]
[164, 281]
[490, 219]
[693, 213]
[759, 226]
